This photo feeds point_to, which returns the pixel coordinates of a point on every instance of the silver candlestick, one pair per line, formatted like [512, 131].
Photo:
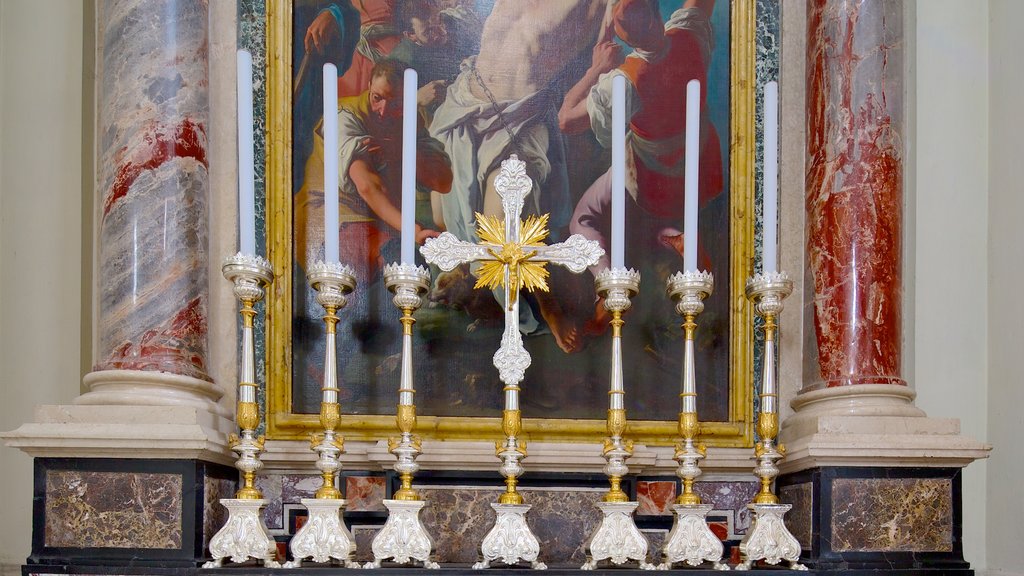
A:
[245, 535]
[324, 536]
[768, 538]
[404, 538]
[690, 541]
[617, 538]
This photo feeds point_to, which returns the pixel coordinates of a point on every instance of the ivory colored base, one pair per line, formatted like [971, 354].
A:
[180, 432]
[324, 536]
[768, 538]
[148, 388]
[244, 536]
[871, 425]
[691, 540]
[403, 538]
[617, 538]
[510, 541]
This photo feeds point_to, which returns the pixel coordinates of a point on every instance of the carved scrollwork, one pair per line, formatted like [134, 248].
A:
[576, 253]
[447, 251]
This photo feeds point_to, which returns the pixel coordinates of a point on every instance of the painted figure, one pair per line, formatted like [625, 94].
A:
[665, 57]
[370, 160]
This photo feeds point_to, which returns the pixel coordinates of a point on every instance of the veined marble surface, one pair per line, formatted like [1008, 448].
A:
[113, 510]
[153, 187]
[854, 183]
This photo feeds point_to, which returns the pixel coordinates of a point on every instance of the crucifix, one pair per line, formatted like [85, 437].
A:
[513, 256]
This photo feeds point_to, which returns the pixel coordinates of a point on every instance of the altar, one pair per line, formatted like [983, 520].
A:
[266, 398]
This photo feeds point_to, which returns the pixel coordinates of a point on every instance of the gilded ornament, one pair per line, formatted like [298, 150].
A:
[511, 423]
[248, 415]
[406, 418]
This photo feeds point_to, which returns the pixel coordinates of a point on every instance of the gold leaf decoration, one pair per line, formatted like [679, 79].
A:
[522, 273]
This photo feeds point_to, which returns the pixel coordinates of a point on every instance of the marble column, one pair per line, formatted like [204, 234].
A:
[854, 187]
[153, 188]
[855, 409]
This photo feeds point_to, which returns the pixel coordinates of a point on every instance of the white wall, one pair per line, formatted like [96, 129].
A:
[1005, 278]
[951, 147]
[40, 233]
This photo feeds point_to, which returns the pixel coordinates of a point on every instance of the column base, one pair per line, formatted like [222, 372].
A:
[149, 388]
[158, 432]
[876, 517]
[871, 425]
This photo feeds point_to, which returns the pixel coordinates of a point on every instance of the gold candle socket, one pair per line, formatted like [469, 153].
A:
[250, 275]
[332, 281]
[689, 289]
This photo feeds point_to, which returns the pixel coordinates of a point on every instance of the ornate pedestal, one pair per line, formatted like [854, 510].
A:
[690, 540]
[244, 536]
[324, 536]
[511, 540]
[403, 538]
[617, 538]
[768, 539]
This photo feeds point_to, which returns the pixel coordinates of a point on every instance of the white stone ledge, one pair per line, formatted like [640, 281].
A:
[163, 432]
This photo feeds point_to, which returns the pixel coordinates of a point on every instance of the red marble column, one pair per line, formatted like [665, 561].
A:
[854, 186]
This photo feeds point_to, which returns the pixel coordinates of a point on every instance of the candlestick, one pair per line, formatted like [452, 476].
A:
[331, 181]
[404, 537]
[770, 214]
[617, 539]
[768, 538]
[692, 166]
[246, 155]
[410, 115]
[245, 535]
[690, 541]
[618, 170]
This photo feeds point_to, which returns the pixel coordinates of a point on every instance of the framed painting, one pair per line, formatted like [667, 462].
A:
[498, 77]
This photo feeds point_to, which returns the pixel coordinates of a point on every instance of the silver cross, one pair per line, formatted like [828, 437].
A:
[517, 258]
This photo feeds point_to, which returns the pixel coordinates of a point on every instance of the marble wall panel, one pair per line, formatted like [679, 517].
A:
[892, 514]
[732, 496]
[798, 519]
[214, 514]
[561, 519]
[655, 497]
[365, 493]
[113, 510]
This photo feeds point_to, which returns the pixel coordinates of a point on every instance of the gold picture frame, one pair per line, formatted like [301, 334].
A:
[283, 424]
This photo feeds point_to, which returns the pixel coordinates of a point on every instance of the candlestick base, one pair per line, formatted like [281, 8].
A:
[403, 538]
[324, 536]
[243, 536]
[510, 541]
[617, 539]
[768, 538]
[691, 540]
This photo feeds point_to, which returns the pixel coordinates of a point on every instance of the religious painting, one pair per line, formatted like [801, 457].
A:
[495, 78]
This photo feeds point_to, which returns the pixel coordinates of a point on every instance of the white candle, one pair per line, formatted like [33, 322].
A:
[690, 181]
[618, 170]
[331, 180]
[770, 214]
[409, 117]
[246, 157]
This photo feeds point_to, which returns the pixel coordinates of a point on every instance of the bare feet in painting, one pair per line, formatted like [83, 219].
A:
[566, 330]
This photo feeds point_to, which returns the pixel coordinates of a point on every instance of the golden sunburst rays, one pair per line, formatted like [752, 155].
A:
[522, 272]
